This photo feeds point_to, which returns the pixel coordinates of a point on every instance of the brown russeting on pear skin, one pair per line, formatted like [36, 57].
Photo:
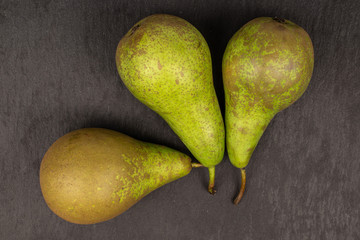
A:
[267, 66]
[92, 175]
[166, 64]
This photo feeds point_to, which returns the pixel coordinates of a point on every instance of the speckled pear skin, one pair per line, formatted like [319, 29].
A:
[165, 63]
[92, 175]
[267, 66]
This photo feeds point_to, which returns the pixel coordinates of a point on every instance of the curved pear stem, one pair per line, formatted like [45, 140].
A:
[211, 180]
[196, 165]
[242, 188]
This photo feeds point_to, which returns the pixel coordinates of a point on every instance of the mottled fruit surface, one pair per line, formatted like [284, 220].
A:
[165, 62]
[267, 66]
[92, 175]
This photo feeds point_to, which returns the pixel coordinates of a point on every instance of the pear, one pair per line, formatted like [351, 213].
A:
[166, 64]
[267, 66]
[92, 175]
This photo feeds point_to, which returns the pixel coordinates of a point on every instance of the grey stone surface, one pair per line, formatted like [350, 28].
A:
[58, 74]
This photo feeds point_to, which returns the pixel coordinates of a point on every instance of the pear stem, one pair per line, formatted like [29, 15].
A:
[211, 180]
[196, 165]
[242, 188]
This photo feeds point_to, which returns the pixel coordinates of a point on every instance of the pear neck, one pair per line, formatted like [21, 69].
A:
[258, 113]
[244, 131]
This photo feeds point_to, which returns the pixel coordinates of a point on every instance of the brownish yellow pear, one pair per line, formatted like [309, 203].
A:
[92, 175]
[267, 66]
[165, 63]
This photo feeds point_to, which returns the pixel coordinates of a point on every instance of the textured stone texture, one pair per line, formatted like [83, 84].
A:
[58, 73]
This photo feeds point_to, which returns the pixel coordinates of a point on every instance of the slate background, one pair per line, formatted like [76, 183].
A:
[58, 74]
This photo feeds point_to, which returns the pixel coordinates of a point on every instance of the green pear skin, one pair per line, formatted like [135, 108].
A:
[267, 66]
[92, 175]
[165, 63]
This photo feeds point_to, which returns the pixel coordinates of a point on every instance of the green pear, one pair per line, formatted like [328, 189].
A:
[165, 63]
[92, 175]
[267, 66]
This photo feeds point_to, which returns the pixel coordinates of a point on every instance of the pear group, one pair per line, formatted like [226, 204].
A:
[92, 175]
